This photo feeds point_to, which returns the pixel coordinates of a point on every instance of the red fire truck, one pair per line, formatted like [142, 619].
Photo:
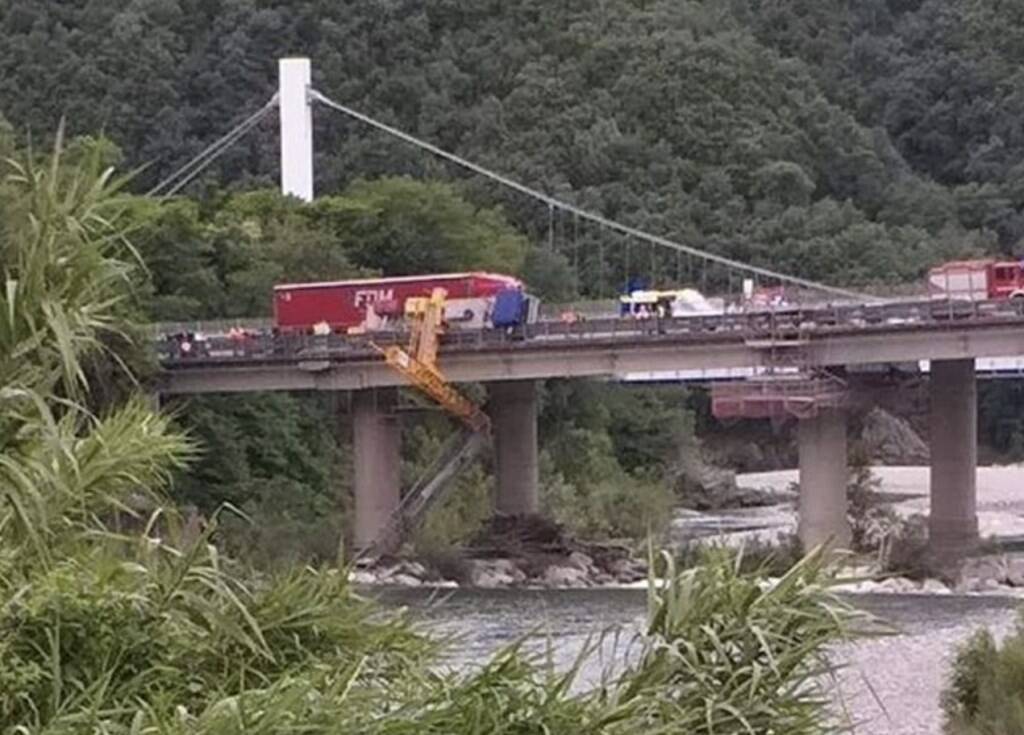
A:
[474, 300]
[977, 280]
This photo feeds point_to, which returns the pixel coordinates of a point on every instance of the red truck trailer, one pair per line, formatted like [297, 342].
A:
[345, 305]
[977, 280]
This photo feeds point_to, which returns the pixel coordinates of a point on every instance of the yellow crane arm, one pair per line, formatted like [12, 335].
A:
[432, 382]
[419, 363]
[427, 318]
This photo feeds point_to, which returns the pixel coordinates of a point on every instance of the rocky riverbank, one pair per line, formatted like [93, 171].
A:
[532, 552]
[1001, 575]
[525, 551]
[992, 574]
[577, 570]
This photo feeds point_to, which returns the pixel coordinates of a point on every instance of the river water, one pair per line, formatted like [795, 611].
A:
[889, 686]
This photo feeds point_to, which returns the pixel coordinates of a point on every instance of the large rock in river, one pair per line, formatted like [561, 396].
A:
[891, 440]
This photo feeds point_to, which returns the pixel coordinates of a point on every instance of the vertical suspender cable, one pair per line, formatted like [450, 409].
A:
[628, 273]
[208, 155]
[654, 268]
[576, 245]
[551, 227]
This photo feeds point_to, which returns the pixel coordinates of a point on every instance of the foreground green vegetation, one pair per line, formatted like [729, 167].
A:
[117, 618]
[985, 693]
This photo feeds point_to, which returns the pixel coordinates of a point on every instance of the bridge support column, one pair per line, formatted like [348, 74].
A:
[824, 476]
[953, 521]
[513, 411]
[376, 443]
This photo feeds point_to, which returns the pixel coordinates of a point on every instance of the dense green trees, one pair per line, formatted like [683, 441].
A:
[608, 453]
[942, 79]
[221, 258]
[790, 134]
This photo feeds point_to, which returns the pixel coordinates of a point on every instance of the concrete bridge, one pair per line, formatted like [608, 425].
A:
[950, 336]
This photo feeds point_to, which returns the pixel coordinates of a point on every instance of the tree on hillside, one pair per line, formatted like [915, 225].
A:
[941, 77]
[398, 226]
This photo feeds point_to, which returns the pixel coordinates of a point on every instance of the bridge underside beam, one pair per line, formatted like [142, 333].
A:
[376, 439]
[953, 521]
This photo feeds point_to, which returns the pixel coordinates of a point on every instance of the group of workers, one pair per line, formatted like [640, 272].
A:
[659, 310]
[196, 344]
[187, 344]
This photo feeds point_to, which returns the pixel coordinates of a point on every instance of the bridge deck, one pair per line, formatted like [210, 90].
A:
[838, 336]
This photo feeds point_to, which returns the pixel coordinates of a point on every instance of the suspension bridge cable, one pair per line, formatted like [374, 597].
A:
[226, 142]
[551, 228]
[213, 157]
[583, 213]
[217, 146]
[208, 155]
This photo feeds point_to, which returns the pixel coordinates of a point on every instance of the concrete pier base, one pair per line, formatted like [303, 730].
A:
[513, 409]
[953, 521]
[823, 479]
[377, 448]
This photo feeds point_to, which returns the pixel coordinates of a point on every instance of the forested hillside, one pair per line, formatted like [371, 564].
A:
[852, 141]
[844, 140]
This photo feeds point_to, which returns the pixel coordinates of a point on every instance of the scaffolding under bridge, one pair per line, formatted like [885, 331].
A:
[776, 396]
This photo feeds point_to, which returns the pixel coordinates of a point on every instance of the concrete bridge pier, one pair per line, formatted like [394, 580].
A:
[513, 409]
[824, 476]
[377, 449]
[953, 521]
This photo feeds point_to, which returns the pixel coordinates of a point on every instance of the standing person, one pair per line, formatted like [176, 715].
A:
[235, 338]
[173, 342]
[643, 315]
[321, 332]
[201, 348]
